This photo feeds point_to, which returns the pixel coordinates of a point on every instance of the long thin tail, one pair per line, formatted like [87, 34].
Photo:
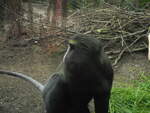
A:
[37, 84]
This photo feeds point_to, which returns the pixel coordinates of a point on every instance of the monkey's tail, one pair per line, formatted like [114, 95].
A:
[37, 84]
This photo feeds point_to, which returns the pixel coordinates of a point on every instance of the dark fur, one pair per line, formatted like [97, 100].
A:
[88, 75]
[55, 95]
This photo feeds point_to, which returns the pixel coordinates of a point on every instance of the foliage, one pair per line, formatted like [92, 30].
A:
[144, 2]
[133, 98]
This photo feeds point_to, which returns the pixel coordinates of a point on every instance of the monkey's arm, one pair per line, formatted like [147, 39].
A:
[102, 94]
[101, 101]
[103, 91]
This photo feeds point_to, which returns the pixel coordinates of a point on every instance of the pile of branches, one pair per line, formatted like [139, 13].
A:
[120, 30]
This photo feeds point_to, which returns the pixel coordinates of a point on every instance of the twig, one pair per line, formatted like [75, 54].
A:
[73, 14]
[121, 53]
[133, 50]
[124, 36]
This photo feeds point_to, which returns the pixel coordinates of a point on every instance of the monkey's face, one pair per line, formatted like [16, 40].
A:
[81, 52]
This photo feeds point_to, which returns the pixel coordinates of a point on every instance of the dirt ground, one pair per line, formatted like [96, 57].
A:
[17, 96]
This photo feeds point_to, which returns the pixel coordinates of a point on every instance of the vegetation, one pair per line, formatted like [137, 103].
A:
[133, 98]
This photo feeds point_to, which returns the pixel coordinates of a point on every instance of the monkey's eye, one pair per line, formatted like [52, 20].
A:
[72, 46]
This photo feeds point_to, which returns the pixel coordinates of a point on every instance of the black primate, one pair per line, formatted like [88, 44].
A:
[86, 74]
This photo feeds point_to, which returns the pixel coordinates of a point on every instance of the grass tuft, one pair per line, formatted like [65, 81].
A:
[131, 98]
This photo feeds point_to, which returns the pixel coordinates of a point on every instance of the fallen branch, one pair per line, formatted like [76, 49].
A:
[124, 36]
[121, 53]
[133, 50]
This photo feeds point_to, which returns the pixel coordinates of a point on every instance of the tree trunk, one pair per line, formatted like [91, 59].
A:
[64, 12]
[136, 3]
[2, 10]
[57, 12]
[50, 11]
[30, 14]
[15, 15]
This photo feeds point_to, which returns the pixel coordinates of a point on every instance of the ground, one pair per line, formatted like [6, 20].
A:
[17, 96]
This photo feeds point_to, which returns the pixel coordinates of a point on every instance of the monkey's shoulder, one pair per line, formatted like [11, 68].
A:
[56, 82]
[54, 94]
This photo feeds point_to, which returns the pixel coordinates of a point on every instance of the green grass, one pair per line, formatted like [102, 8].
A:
[131, 98]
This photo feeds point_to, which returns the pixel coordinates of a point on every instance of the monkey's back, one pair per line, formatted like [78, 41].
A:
[55, 96]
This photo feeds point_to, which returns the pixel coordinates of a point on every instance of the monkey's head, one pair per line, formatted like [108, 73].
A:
[82, 52]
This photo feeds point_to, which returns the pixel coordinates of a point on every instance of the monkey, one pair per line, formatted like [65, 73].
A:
[87, 74]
